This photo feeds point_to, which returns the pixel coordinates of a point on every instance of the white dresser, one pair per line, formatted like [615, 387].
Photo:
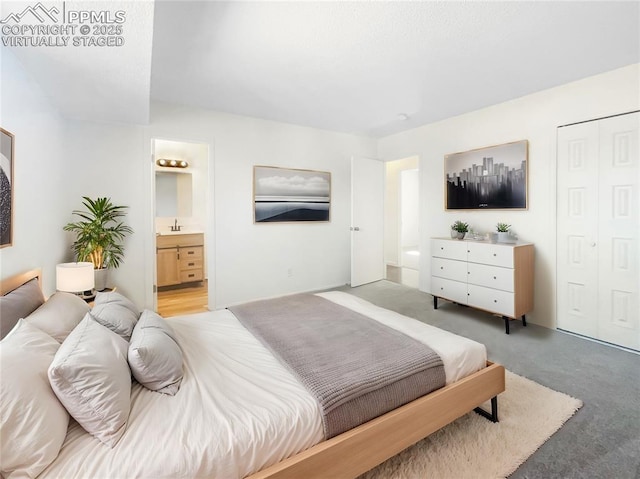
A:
[494, 277]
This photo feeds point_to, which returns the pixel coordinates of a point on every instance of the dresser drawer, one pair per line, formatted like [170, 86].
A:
[493, 300]
[449, 269]
[494, 277]
[449, 289]
[191, 275]
[450, 249]
[493, 254]
[191, 252]
[189, 263]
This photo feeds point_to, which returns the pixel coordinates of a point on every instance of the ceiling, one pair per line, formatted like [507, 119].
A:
[370, 68]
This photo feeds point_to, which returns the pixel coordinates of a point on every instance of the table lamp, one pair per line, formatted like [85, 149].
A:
[76, 278]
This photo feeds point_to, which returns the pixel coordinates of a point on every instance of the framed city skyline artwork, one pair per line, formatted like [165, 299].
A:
[290, 195]
[7, 149]
[494, 177]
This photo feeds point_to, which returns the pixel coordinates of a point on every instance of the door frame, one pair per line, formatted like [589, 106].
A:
[151, 294]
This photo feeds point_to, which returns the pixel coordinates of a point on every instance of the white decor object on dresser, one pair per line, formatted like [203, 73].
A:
[497, 278]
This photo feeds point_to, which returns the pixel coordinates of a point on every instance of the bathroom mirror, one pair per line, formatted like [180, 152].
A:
[174, 194]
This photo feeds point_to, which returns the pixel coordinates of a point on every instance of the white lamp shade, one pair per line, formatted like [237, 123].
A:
[74, 277]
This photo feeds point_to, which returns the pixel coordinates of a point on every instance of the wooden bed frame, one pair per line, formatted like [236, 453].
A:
[356, 451]
[9, 284]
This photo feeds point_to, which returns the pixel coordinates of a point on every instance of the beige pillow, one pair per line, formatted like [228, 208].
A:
[91, 377]
[33, 422]
[59, 315]
[155, 358]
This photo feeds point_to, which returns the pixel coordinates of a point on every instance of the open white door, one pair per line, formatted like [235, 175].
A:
[367, 221]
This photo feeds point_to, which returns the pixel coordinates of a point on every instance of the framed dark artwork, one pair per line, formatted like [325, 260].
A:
[288, 195]
[494, 177]
[7, 148]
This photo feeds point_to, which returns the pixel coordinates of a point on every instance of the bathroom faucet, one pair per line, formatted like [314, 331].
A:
[175, 226]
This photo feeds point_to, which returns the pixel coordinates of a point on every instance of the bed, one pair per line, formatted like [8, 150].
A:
[240, 413]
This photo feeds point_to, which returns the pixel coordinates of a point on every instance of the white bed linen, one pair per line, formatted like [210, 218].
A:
[238, 409]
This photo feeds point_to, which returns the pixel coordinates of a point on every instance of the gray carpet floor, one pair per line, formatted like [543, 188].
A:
[603, 439]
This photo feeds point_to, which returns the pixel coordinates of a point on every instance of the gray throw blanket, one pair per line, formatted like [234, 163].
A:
[355, 367]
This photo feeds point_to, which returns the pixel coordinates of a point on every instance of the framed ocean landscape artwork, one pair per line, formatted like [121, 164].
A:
[494, 177]
[290, 195]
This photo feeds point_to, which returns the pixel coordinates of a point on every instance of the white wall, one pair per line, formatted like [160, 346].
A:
[41, 203]
[253, 260]
[392, 214]
[107, 160]
[535, 118]
[409, 208]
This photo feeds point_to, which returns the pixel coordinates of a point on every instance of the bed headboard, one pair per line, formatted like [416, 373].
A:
[20, 295]
[14, 282]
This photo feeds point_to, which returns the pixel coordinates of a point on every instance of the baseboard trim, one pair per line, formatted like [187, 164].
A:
[599, 341]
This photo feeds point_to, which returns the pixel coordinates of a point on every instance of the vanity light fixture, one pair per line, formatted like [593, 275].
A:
[167, 163]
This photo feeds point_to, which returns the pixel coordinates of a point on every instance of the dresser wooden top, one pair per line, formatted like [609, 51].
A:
[517, 243]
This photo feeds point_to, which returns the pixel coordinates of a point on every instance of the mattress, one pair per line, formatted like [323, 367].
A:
[238, 409]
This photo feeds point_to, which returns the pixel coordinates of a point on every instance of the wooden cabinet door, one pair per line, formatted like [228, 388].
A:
[167, 267]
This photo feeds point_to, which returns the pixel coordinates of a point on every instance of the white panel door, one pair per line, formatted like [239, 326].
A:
[577, 214]
[619, 231]
[599, 229]
[367, 221]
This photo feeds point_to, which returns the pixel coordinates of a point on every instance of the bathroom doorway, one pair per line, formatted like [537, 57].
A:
[402, 221]
[181, 175]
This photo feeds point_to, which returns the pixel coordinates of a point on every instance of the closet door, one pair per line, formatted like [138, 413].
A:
[577, 211]
[619, 231]
[598, 229]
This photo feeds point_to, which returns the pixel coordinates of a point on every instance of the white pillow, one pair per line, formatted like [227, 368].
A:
[33, 422]
[91, 377]
[117, 298]
[155, 357]
[116, 317]
[59, 315]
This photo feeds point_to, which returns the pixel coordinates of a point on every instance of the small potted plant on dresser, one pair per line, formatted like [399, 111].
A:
[460, 228]
[503, 232]
[99, 236]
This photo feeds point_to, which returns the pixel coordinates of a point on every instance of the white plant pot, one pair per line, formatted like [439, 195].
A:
[100, 278]
[503, 237]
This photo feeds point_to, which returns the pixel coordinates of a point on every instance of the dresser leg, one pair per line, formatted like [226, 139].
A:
[524, 320]
[506, 325]
[435, 302]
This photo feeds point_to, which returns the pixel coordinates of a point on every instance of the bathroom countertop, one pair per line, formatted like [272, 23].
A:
[181, 232]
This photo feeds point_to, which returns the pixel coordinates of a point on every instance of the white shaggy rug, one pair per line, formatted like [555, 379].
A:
[475, 448]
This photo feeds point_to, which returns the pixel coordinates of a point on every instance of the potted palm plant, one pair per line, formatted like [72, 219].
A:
[99, 236]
